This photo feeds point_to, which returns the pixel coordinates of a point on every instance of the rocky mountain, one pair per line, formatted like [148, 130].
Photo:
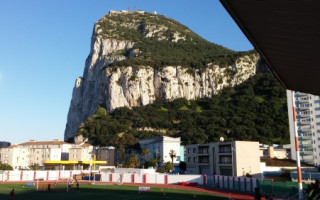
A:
[138, 57]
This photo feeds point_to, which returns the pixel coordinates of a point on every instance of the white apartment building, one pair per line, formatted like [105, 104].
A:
[161, 146]
[15, 156]
[308, 126]
[26, 154]
[82, 152]
[237, 158]
[48, 149]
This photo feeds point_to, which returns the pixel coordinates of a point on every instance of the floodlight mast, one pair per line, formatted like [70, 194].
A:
[297, 145]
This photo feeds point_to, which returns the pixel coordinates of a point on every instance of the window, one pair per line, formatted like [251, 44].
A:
[195, 159]
[225, 149]
[225, 160]
[189, 159]
[194, 150]
[189, 150]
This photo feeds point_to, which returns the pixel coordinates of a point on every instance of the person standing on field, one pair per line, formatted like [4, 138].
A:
[12, 194]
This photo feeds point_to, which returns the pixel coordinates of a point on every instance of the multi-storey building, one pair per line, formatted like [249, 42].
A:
[4, 144]
[236, 158]
[82, 152]
[308, 126]
[15, 156]
[107, 154]
[44, 150]
[50, 155]
[161, 147]
[24, 155]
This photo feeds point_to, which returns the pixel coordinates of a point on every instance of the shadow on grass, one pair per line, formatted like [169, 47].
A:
[114, 192]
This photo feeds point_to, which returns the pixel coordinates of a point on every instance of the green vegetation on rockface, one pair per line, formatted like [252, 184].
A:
[255, 110]
[160, 41]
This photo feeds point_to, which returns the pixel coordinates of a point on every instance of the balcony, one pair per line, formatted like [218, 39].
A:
[305, 114]
[307, 157]
[308, 160]
[305, 129]
[301, 138]
[304, 153]
[300, 94]
[306, 144]
[305, 137]
[305, 121]
[304, 106]
[304, 99]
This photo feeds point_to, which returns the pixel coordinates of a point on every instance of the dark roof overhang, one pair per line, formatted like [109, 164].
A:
[286, 33]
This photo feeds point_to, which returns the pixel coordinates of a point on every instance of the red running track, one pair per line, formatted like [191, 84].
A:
[231, 195]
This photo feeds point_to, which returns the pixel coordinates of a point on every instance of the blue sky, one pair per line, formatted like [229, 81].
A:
[44, 44]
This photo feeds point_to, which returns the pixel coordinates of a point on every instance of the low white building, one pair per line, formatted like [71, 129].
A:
[275, 151]
[161, 147]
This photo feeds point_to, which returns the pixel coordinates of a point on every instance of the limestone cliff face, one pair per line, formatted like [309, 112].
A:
[130, 86]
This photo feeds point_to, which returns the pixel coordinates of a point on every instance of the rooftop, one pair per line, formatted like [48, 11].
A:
[282, 162]
[54, 142]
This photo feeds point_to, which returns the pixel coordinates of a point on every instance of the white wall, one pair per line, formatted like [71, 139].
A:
[34, 175]
[175, 179]
[134, 170]
[212, 181]
[166, 150]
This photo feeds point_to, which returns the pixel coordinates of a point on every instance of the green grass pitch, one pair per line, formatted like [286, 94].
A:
[89, 191]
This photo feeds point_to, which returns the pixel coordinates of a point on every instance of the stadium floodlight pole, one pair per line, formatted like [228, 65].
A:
[295, 128]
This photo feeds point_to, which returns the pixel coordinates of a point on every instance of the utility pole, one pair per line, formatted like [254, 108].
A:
[297, 145]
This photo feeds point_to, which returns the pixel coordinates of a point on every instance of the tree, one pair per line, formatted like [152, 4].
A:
[152, 162]
[132, 161]
[168, 167]
[4, 166]
[145, 152]
[253, 110]
[172, 154]
[34, 166]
